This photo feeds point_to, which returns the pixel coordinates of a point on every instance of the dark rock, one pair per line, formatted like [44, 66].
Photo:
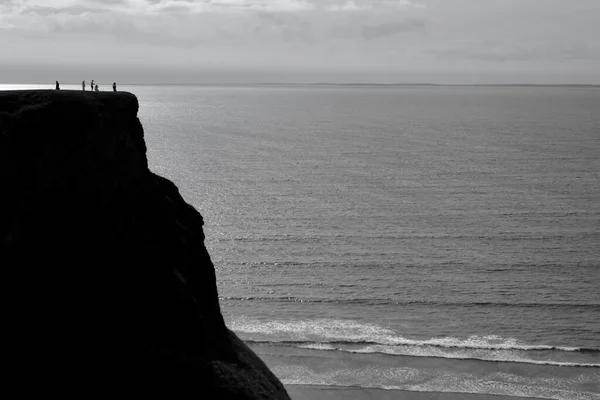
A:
[107, 284]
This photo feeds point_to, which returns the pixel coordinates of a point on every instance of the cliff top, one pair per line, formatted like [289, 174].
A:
[41, 96]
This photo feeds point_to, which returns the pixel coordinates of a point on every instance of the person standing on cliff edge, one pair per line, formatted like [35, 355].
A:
[114, 86]
[57, 86]
[83, 86]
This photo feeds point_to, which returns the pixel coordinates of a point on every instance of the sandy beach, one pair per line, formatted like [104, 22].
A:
[304, 392]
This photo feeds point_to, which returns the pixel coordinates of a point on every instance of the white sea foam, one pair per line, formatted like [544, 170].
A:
[322, 329]
[318, 346]
[421, 380]
[359, 338]
[333, 330]
[463, 354]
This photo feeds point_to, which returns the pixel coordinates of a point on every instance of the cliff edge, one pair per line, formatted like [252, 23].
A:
[107, 284]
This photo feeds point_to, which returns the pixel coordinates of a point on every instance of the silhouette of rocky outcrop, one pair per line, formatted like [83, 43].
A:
[107, 284]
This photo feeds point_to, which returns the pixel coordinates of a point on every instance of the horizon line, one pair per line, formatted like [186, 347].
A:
[596, 85]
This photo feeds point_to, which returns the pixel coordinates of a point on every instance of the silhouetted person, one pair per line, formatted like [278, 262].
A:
[96, 88]
[114, 86]
[83, 86]
[92, 85]
[57, 86]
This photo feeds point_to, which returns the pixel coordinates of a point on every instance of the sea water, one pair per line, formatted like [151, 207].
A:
[431, 239]
[422, 239]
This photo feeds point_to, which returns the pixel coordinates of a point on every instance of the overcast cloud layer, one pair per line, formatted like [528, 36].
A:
[442, 41]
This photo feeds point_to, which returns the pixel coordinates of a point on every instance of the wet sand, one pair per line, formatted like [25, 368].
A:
[305, 392]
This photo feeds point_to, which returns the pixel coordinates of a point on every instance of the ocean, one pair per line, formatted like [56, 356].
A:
[410, 239]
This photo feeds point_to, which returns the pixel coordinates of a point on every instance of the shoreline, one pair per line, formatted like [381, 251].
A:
[317, 392]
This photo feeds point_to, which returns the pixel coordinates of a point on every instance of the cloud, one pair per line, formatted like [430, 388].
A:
[70, 10]
[372, 32]
[265, 5]
[509, 52]
[289, 27]
[185, 22]
[347, 6]
[365, 5]
[334, 34]
[197, 6]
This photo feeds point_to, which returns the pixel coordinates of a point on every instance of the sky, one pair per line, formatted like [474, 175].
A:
[337, 41]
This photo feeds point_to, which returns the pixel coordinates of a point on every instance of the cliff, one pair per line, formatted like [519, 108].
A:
[107, 284]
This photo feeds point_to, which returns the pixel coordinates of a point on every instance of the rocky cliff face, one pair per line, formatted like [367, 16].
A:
[107, 284]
